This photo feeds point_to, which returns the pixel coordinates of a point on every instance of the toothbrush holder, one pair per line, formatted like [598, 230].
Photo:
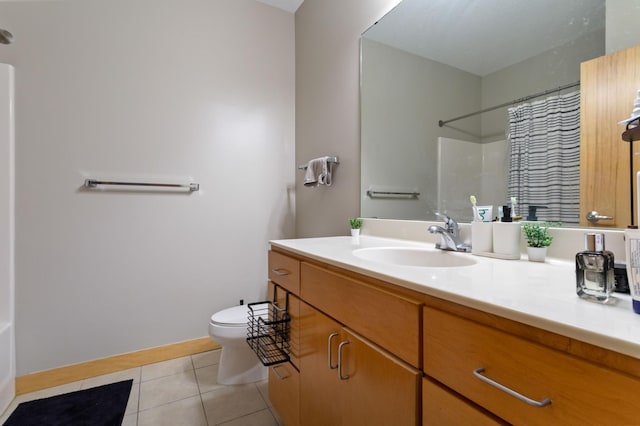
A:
[506, 238]
[481, 237]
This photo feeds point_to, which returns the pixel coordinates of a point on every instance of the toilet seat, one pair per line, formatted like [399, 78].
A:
[236, 316]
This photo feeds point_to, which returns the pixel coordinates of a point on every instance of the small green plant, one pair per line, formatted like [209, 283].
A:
[538, 233]
[355, 223]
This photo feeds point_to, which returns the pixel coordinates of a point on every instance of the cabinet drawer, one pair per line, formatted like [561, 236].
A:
[580, 392]
[284, 270]
[440, 406]
[388, 320]
[284, 392]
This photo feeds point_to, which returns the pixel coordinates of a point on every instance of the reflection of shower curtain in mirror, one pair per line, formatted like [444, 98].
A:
[545, 157]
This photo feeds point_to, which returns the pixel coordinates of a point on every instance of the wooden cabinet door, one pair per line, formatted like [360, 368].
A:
[608, 87]
[320, 390]
[284, 392]
[377, 388]
[369, 387]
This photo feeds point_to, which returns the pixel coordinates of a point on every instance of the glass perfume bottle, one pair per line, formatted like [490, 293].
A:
[594, 270]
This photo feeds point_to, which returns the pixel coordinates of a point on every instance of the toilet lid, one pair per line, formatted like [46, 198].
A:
[234, 316]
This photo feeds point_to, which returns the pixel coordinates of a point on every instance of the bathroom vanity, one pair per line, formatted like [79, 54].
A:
[476, 341]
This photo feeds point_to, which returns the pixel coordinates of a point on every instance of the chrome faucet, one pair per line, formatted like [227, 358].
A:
[449, 236]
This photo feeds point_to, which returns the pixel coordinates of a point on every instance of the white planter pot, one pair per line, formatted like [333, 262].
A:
[355, 232]
[537, 254]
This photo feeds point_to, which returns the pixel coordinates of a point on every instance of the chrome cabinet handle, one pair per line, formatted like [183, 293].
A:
[511, 392]
[342, 344]
[278, 374]
[331, 366]
[280, 271]
[593, 217]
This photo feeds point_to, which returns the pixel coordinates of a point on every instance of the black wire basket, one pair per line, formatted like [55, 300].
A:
[268, 332]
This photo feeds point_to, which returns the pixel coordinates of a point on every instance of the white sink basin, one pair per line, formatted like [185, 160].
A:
[413, 256]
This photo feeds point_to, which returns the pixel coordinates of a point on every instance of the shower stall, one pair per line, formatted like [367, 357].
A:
[7, 285]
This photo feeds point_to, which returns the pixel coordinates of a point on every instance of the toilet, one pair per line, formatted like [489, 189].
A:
[238, 363]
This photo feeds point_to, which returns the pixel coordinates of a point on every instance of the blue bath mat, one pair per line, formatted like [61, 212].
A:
[100, 406]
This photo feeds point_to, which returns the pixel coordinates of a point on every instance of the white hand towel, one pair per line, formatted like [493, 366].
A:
[317, 171]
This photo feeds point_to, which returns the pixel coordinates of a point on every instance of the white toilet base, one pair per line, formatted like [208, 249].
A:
[240, 365]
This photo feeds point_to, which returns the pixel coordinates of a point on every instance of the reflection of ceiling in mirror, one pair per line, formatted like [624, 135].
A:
[539, 26]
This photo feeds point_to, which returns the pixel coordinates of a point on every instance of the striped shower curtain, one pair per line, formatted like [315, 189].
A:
[545, 157]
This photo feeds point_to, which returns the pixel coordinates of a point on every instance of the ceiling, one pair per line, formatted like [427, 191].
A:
[485, 36]
[288, 5]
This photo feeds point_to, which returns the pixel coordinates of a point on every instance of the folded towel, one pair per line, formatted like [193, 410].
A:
[318, 172]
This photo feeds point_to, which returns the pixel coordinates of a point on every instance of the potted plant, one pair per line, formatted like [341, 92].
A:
[356, 224]
[538, 239]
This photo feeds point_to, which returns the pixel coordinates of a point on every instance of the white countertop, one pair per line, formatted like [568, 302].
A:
[542, 295]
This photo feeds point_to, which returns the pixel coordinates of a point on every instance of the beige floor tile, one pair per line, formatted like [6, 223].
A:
[230, 402]
[206, 359]
[130, 420]
[186, 412]
[207, 378]
[167, 389]
[276, 416]
[261, 418]
[166, 368]
[118, 376]
[263, 387]
[45, 393]
[134, 398]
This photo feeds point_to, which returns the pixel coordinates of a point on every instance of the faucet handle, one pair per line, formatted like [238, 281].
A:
[444, 217]
[451, 225]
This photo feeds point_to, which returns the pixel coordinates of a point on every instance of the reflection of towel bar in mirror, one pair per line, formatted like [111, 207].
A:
[333, 160]
[92, 183]
[393, 194]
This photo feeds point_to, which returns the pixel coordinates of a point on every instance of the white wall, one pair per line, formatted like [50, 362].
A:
[140, 89]
[327, 107]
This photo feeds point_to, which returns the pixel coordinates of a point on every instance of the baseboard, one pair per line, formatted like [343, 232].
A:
[72, 373]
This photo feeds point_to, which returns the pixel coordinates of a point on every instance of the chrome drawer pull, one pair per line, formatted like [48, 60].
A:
[275, 371]
[331, 366]
[511, 392]
[342, 377]
[280, 272]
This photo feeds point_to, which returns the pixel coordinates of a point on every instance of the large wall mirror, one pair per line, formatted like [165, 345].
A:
[443, 84]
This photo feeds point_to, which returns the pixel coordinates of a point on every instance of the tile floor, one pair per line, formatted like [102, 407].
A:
[180, 391]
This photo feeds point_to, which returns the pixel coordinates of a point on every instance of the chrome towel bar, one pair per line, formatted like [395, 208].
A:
[92, 183]
[392, 194]
[333, 160]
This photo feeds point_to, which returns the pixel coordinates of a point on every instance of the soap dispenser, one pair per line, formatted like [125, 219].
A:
[595, 270]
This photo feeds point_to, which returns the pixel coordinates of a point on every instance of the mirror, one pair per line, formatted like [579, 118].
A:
[428, 61]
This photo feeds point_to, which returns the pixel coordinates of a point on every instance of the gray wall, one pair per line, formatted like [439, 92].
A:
[327, 107]
[403, 97]
[622, 26]
[140, 89]
[548, 70]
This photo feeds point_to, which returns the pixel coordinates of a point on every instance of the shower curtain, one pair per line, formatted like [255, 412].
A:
[545, 157]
